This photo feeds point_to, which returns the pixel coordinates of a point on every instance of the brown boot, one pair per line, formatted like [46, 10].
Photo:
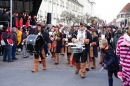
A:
[68, 59]
[35, 69]
[82, 70]
[44, 63]
[71, 58]
[53, 55]
[56, 58]
[40, 61]
[44, 60]
[93, 63]
[87, 64]
[77, 65]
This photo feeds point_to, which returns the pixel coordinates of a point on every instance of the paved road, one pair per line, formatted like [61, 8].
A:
[18, 73]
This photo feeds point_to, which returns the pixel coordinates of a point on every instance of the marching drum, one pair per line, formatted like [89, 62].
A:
[76, 47]
[34, 43]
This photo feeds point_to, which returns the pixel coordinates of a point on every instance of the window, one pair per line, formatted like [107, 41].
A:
[122, 15]
[3, 3]
[57, 16]
[60, 2]
[15, 6]
[63, 4]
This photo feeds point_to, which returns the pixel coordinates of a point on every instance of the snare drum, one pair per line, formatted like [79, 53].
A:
[34, 43]
[76, 48]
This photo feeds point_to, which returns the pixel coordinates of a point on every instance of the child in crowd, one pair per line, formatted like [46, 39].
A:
[109, 60]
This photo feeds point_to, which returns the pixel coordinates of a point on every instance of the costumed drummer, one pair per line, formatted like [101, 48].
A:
[67, 38]
[82, 37]
[42, 51]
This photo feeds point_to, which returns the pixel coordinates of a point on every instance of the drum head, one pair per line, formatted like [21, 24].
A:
[34, 43]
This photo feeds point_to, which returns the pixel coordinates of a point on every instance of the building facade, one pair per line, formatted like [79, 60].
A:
[123, 17]
[56, 7]
[18, 6]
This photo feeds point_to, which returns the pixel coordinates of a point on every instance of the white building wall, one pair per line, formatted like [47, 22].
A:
[87, 6]
[63, 5]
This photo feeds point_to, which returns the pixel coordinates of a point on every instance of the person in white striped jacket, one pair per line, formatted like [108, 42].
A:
[123, 51]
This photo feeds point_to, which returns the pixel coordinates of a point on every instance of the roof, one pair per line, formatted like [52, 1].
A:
[126, 8]
[76, 1]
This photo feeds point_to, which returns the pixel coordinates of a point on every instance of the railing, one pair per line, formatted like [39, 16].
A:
[4, 22]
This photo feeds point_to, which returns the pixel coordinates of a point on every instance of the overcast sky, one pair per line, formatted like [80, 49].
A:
[108, 9]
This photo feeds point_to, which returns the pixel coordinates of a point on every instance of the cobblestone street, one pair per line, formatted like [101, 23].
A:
[19, 73]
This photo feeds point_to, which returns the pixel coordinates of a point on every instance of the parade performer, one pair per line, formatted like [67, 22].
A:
[53, 42]
[58, 39]
[42, 51]
[93, 48]
[82, 35]
[67, 38]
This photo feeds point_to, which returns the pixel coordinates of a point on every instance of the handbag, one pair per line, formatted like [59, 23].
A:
[9, 40]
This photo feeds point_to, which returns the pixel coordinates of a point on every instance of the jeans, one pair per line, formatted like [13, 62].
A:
[14, 51]
[1, 50]
[110, 78]
[7, 52]
[25, 53]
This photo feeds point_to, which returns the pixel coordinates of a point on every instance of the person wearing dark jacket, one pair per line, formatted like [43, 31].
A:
[118, 34]
[93, 48]
[84, 37]
[15, 41]
[1, 14]
[15, 19]
[109, 60]
[6, 18]
[1, 47]
[43, 50]
[7, 46]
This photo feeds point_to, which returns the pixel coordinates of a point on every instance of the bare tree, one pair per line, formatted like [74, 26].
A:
[68, 17]
[88, 18]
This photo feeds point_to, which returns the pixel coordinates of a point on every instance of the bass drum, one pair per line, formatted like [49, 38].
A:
[34, 43]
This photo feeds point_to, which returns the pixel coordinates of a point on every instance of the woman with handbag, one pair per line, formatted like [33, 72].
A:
[7, 44]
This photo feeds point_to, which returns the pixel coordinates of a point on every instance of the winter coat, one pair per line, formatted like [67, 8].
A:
[110, 59]
[5, 36]
[14, 37]
[6, 18]
[115, 39]
[123, 51]
[19, 37]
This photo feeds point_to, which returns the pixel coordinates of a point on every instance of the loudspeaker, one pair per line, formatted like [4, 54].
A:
[125, 22]
[48, 18]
